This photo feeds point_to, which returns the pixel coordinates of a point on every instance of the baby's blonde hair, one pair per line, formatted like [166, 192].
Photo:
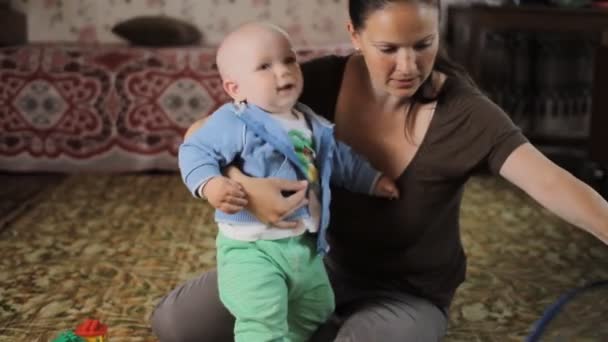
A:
[225, 57]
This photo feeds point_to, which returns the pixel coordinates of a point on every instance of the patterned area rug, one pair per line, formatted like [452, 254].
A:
[106, 107]
[109, 246]
[18, 193]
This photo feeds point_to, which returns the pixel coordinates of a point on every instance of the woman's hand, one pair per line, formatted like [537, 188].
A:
[266, 200]
[385, 187]
[225, 194]
[264, 196]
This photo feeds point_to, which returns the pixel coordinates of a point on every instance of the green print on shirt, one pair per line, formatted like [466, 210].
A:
[305, 150]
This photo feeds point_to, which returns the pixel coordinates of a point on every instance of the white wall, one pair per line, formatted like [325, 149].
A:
[310, 22]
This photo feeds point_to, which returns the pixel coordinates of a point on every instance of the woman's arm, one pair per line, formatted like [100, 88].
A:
[195, 126]
[557, 190]
[265, 195]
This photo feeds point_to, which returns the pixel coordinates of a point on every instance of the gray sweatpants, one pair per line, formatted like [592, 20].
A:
[193, 313]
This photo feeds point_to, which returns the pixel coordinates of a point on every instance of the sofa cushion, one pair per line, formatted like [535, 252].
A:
[157, 31]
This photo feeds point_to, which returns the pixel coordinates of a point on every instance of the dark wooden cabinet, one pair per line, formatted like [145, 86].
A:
[13, 28]
[598, 138]
[478, 21]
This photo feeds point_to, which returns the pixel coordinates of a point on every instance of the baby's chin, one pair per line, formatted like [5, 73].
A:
[279, 105]
[281, 109]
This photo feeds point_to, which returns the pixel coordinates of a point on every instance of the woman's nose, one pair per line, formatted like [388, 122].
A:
[406, 61]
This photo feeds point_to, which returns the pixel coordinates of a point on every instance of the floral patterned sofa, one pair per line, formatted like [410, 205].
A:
[105, 108]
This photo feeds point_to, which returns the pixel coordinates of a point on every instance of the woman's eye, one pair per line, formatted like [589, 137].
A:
[264, 66]
[290, 60]
[387, 50]
[422, 46]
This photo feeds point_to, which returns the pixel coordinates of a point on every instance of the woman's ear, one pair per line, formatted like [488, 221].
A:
[232, 88]
[354, 36]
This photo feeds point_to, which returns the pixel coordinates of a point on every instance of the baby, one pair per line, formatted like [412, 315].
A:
[272, 280]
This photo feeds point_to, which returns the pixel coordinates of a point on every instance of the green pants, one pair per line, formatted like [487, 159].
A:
[277, 290]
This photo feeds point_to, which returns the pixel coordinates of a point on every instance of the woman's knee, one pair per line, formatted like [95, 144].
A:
[417, 320]
[164, 325]
[193, 312]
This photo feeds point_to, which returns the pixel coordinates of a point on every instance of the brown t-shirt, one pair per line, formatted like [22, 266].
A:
[413, 244]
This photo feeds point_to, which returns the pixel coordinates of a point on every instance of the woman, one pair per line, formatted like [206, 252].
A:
[395, 266]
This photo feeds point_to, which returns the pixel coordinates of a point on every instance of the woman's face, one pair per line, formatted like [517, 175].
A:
[399, 44]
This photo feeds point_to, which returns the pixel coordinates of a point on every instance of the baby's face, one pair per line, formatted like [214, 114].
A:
[268, 74]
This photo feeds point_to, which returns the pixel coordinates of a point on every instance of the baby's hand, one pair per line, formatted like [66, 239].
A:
[385, 187]
[225, 194]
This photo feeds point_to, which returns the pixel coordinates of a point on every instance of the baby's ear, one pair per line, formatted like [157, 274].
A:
[232, 88]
